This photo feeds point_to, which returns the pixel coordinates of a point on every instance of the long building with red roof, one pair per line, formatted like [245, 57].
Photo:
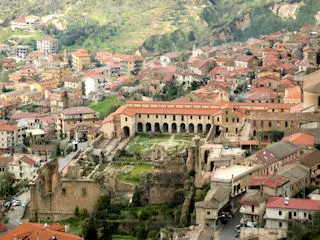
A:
[183, 117]
[281, 210]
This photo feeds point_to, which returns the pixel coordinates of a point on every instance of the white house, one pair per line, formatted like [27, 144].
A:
[280, 210]
[186, 79]
[24, 166]
[95, 81]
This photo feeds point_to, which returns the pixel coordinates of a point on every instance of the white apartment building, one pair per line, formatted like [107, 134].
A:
[28, 24]
[47, 45]
[95, 81]
[280, 211]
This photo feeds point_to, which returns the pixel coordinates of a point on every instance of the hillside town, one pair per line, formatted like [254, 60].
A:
[215, 142]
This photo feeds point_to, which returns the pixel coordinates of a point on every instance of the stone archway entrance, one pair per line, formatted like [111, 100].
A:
[165, 127]
[200, 128]
[174, 128]
[148, 127]
[126, 132]
[157, 127]
[191, 128]
[182, 128]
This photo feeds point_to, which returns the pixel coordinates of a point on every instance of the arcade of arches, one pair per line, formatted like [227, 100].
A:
[172, 128]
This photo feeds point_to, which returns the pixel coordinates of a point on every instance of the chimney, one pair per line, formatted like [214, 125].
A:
[286, 200]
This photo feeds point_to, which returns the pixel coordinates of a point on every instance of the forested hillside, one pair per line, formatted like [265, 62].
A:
[158, 25]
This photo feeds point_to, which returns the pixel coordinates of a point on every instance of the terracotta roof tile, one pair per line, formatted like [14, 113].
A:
[77, 110]
[300, 139]
[293, 203]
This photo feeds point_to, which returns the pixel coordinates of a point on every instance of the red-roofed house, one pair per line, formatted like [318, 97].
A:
[95, 81]
[28, 24]
[24, 167]
[303, 139]
[270, 61]
[245, 61]
[34, 231]
[280, 210]
[293, 95]
[80, 60]
[262, 95]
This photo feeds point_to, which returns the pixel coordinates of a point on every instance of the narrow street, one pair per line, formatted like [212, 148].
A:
[227, 231]
[16, 213]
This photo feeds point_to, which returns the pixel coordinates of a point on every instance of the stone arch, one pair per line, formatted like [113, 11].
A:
[191, 128]
[200, 128]
[157, 127]
[148, 127]
[174, 127]
[165, 127]
[126, 131]
[208, 127]
[182, 128]
[140, 127]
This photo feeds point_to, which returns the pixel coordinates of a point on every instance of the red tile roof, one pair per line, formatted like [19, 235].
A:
[272, 181]
[294, 203]
[21, 20]
[27, 160]
[33, 231]
[293, 93]
[244, 58]
[300, 139]
[77, 110]
[7, 127]
[2, 227]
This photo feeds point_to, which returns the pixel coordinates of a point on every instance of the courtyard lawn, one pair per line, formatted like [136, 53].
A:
[143, 143]
[136, 175]
[74, 225]
[106, 106]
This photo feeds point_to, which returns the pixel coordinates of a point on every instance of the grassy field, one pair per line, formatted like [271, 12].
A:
[24, 38]
[136, 175]
[104, 107]
[74, 226]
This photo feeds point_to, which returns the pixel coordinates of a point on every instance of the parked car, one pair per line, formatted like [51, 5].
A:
[16, 203]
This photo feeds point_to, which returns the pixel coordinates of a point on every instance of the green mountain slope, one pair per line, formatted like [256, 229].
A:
[159, 25]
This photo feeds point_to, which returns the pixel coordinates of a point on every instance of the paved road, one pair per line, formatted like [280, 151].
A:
[227, 232]
[63, 161]
[16, 213]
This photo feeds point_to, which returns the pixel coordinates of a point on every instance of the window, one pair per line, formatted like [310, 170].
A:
[84, 192]
[190, 117]
[156, 116]
[148, 116]
[237, 120]
[218, 119]
[208, 117]
[139, 115]
[165, 116]
[227, 120]
[252, 208]
[280, 224]
[294, 214]
[305, 214]
[182, 118]
[174, 117]
[64, 191]
[286, 124]
[208, 212]
[280, 213]
[199, 117]
[270, 124]
[126, 119]
[233, 120]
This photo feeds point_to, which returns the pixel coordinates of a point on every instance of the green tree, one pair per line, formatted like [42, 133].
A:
[191, 36]
[7, 187]
[90, 229]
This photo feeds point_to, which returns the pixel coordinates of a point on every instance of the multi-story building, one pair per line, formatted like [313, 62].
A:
[60, 72]
[8, 138]
[245, 61]
[312, 162]
[24, 167]
[28, 24]
[74, 115]
[95, 81]
[47, 45]
[182, 117]
[131, 65]
[280, 211]
[8, 64]
[80, 60]
[13, 96]
[262, 122]
[58, 100]
[19, 51]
